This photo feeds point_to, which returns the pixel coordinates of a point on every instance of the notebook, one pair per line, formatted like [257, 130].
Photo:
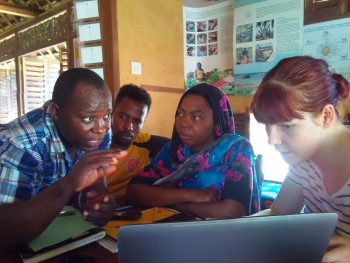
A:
[67, 232]
[273, 239]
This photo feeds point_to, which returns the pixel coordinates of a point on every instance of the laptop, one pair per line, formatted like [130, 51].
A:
[269, 239]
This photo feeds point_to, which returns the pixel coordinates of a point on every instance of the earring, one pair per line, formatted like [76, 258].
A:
[325, 125]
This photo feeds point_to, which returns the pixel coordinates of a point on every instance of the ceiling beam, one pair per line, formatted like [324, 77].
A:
[17, 10]
[5, 19]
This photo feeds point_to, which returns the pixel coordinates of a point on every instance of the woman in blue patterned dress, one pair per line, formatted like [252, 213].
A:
[206, 169]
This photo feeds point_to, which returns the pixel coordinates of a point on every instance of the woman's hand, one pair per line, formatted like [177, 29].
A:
[338, 250]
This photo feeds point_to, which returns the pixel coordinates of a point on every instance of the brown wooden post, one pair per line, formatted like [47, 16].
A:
[109, 28]
[71, 34]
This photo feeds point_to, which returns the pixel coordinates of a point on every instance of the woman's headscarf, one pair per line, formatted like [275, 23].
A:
[223, 115]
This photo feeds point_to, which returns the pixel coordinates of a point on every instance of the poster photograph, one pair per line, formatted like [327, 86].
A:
[208, 45]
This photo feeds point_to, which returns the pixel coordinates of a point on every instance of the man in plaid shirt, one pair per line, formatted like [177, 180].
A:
[48, 156]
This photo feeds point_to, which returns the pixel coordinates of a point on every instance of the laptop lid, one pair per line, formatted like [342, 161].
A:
[288, 238]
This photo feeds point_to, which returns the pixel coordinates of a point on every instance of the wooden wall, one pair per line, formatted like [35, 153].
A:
[151, 32]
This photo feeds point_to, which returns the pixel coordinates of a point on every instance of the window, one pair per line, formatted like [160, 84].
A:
[8, 92]
[40, 71]
[274, 167]
[317, 11]
[39, 76]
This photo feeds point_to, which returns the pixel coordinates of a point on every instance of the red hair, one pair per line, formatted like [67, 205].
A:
[295, 85]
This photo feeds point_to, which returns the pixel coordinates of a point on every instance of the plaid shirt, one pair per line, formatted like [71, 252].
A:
[32, 156]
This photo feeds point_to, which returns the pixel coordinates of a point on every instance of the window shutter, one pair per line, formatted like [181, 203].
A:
[34, 83]
[4, 97]
[8, 95]
[13, 94]
[39, 80]
[53, 69]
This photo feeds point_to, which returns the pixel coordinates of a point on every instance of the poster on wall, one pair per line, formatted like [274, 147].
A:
[208, 44]
[331, 42]
[265, 31]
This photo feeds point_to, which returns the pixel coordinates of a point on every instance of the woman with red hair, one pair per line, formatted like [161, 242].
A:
[297, 101]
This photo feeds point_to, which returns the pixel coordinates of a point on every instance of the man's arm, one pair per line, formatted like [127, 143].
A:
[22, 221]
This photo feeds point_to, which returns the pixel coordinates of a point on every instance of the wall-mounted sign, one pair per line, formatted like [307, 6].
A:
[89, 32]
[86, 9]
[91, 55]
[99, 71]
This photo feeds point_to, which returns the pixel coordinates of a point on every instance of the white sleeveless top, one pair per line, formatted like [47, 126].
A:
[317, 200]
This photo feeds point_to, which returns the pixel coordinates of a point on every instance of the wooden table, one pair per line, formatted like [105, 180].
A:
[94, 250]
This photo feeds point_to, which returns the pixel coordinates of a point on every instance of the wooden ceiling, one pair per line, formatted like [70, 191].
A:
[16, 12]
